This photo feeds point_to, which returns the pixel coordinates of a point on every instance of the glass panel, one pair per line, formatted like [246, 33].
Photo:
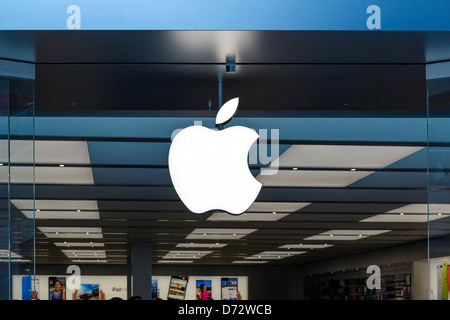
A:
[4, 189]
[17, 228]
[439, 186]
[22, 223]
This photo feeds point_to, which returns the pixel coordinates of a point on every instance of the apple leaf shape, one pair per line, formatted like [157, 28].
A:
[227, 111]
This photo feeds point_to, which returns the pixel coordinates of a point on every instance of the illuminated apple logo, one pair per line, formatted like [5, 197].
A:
[209, 168]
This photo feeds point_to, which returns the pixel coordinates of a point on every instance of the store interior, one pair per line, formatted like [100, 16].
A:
[355, 121]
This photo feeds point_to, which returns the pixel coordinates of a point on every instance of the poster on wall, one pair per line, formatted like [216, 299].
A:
[439, 282]
[203, 290]
[155, 294]
[229, 288]
[89, 292]
[26, 288]
[35, 286]
[57, 288]
[177, 288]
[445, 282]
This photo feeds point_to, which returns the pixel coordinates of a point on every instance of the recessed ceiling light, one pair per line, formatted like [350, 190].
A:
[353, 169]
[38, 210]
[78, 210]
[61, 165]
[294, 169]
[401, 213]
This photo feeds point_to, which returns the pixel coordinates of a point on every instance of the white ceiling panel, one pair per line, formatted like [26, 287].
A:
[287, 207]
[250, 261]
[84, 253]
[50, 152]
[346, 235]
[79, 244]
[248, 216]
[344, 156]
[405, 218]
[217, 233]
[275, 255]
[25, 204]
[305, 246]
[423, 208]
[49, 175]
[186, 254]
[90, 261]
[68, 232]
[5, 253]
[71, 215]
[201, 245]
[312, 178]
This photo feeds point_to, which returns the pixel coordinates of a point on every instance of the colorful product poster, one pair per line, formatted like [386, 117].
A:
[57, 288]
[26, 288]
[89, 292]
[177, 288]
[444, 282]
[229, 288]
[203, 288]
[155, 289]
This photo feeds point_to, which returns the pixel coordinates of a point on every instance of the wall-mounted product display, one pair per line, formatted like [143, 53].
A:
[91, 287]
[213, 286]
[391, 282]
[203, 289]
[57, 288]
[393, 287]
[229, 288]
[177, 287]
[155, 290]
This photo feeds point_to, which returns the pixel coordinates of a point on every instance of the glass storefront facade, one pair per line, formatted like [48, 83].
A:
[353, 124]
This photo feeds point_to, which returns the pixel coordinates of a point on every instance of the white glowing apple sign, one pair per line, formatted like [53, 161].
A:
[209, 168]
